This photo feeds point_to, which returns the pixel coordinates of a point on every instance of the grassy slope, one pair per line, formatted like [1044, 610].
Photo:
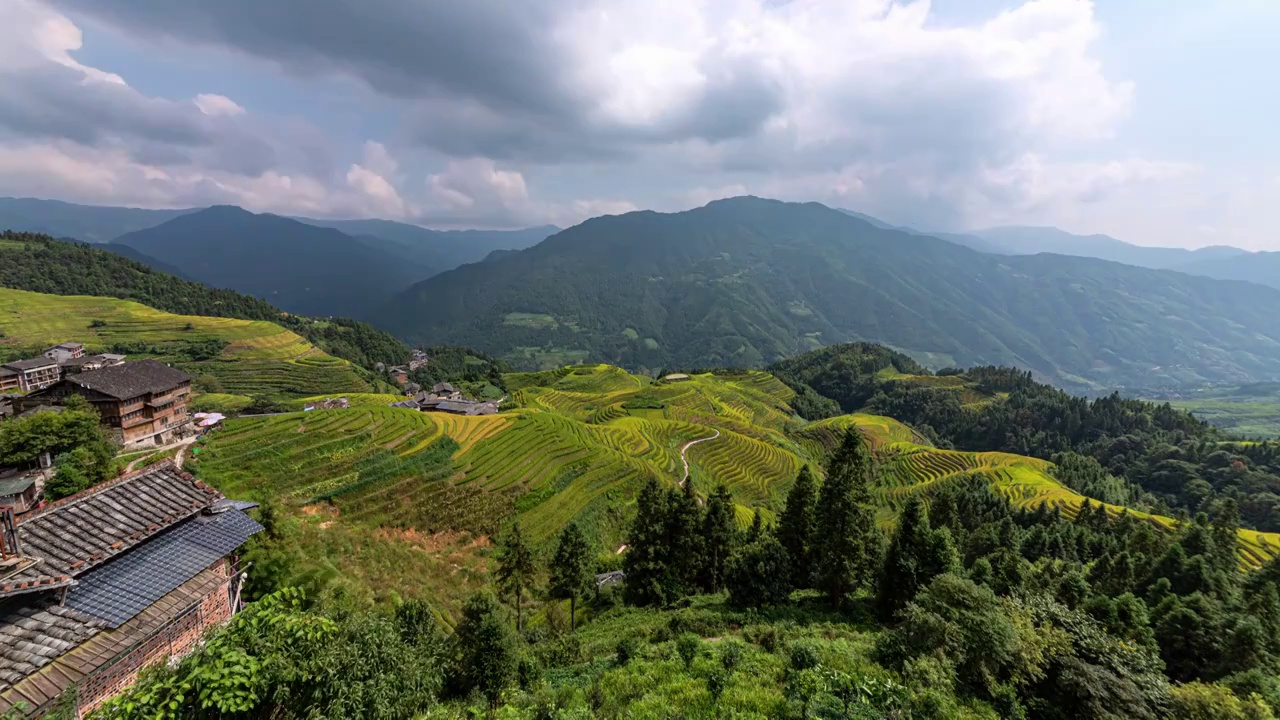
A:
[579, 447]
[261, 357]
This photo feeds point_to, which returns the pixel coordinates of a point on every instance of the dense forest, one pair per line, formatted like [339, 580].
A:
[968, 608]
[39, 263]
[1144, 453]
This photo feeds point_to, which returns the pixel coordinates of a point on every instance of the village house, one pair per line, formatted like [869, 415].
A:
[399, 375]
[417, 360]
[63, 352]
[142, 401]
[85, 363]
[19, 491]
[98, 586]
[31, 374]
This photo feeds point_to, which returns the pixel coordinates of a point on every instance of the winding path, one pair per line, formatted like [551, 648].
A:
[684, 458]
[177, 458]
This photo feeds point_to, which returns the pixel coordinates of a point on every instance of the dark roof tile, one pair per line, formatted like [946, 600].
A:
[132, 379]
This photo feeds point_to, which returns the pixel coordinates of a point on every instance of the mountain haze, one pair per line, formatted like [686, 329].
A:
[1022, 240]
[87, 223]
[746, 281]
[438, 249]
[295, 266]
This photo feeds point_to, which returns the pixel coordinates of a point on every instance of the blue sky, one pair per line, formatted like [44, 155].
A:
[1150, 121]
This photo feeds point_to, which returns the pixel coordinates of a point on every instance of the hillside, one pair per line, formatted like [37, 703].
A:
[438, 250]
[579, 445]
[238, 357]
[295, 266]
[746, 281]
[39, 263]
[86, 223]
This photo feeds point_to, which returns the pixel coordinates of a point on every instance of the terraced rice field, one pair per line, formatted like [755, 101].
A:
[260, 357]
[571, 454]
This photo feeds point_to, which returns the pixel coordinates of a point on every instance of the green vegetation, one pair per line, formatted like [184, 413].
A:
[250, 357]
[83, 455]
[39, 263]
[745, 282]
[1251, 411]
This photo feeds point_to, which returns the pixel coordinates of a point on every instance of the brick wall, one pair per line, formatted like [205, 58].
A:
[175, 640]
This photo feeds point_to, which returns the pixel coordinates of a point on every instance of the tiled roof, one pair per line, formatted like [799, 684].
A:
[132, 379]
[32, 637]
[82, 531]
[32, 363]
[76, 663]
[16, 485]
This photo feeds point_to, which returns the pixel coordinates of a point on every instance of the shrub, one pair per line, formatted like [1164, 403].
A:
[628, 649]
[687, 646]
[804, 656]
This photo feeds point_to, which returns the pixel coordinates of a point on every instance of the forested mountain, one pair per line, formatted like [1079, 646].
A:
[1153, 452]
[437, 249]
[87, 223]
[39, 263]
[295, 266]
[746, 281]
[1260, 267]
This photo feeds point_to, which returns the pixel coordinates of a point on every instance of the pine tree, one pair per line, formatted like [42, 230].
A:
[917, 554]
[571, 570]
[719, 538]
[647, 548]
[684, 541]
[796, 527]
[847, 547]
[515, 569]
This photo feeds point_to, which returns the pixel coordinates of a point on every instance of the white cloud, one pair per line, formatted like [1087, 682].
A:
[212, 104]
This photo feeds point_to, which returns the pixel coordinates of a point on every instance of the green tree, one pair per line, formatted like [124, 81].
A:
[847, 547]
[684, 541]
[916, 555]
[571, 569]
[796, 527]
[515, 569]
[486, 649]
[645, 563]
[759, 574]
[719, 538]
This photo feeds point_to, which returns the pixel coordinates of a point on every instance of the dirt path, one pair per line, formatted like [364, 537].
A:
[177, 459]
[684, 458]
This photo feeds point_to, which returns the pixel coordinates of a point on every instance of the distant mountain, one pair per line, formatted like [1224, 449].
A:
[437, 249]
[134, 255]
[969, 241]
[1259, 267]
[87, 223]
[295, 266]
[1022, 240]
[746, 281]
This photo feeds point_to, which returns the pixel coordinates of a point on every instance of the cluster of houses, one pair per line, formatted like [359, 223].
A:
[400, 373]
[58, 361]
[141, 403]
[100, 585]
[444, 397]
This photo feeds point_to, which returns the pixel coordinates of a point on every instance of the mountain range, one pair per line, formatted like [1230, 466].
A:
[745, 281]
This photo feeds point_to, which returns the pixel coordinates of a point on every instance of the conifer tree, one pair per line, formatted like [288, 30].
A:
[917, 554]
[571, 570]
[515, 569]
[847, 547]
[719, 538]
[796, 527]
[645, 563]
[684, 541]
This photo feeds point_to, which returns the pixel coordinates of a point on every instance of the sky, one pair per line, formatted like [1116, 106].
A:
[1151, 121]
